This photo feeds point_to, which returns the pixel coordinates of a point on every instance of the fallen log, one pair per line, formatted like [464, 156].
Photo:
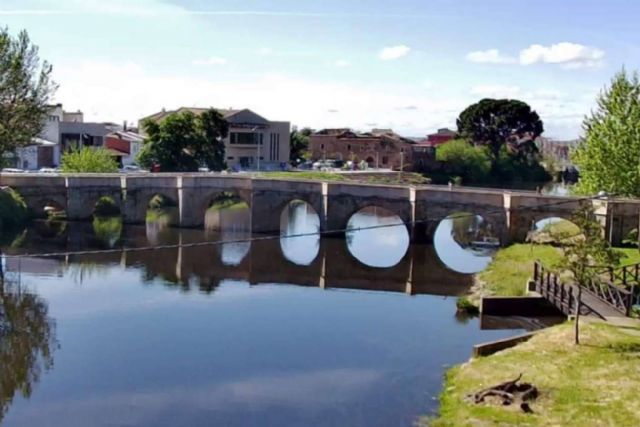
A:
[508, 392]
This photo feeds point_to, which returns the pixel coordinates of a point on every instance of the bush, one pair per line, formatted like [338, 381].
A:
[464, 305]
[160, 202]
[13, 209]
[88, 160]
[471, 163]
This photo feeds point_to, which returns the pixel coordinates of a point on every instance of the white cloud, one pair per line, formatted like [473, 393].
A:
[214, 60]
[342, 63]
[569, 55]
[489, 56]
[393, 52]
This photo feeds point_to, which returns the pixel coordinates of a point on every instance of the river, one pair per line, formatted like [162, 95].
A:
[274, 332]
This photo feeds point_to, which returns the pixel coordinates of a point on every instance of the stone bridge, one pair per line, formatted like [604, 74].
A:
[511, 214]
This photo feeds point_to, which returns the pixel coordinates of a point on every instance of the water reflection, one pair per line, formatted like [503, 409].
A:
[229, 219]
[27, 342]
[107, 230]
[377, 247]
[299, 218]
[268, 341]
[465, 243]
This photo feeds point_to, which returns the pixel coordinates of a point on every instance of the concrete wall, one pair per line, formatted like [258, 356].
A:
[510, 214]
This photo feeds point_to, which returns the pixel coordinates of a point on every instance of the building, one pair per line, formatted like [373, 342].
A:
[44, 151]
[380, 148]
[124, 145]
[440, 137]
[253, 142]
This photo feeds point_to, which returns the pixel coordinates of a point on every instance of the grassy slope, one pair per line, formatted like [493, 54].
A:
[513, 266]
[594, 384]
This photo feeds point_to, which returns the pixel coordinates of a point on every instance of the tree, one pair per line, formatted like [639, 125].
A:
[88, 160]
[496, 122]
[608, 156]
[471, 162]
[299, 141]
[582, 253]
[184, 141]
[25, 91]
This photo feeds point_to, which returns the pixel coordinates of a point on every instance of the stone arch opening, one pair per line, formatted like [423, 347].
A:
[162, 211]
[106, 206]
[552, 230]
[299, 232]
[50, 209]
[377, 237]
[465, 242]
[227, 210]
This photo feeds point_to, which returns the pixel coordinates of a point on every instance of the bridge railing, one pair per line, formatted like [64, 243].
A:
[554, 290]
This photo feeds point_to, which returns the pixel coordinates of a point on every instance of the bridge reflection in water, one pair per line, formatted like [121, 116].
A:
[376, 259]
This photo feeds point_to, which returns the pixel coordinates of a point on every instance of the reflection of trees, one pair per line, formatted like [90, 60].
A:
[107, 230]
[27, 341]
[467, 228]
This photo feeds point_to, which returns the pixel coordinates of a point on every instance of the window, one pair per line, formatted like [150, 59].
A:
[322, 146]
[230, 158]
[348, 147]
[245, 138]
[385, 160]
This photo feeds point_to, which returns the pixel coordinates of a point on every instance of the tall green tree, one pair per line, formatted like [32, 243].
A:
[25, 91]
[496, 122]
[608, 156]
[184, 141]
[88, 160]
[299, 141]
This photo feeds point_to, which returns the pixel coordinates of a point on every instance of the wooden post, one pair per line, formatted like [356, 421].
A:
[578, 304]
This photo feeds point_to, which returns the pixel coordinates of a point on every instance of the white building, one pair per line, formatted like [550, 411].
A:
[44, 150]
[253, 141]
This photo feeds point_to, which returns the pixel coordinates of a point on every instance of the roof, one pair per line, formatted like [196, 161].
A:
[127, 136]
[226, 112]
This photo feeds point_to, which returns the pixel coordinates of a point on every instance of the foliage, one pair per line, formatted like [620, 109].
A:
[25, 91]
[299, 141]
[607, 395]
[13, 209]
[495, 122]
[159, 202]
[590, 249]
[609, 155]
[106, 206]
[465, 305]
[472, 163]
[88, 160]
[184, 141]
[27, 337]
[107, 230]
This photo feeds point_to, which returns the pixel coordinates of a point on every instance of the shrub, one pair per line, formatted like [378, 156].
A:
[13, 209]
[159, 202]
[472, 163]
[88, 160]
[464, 305]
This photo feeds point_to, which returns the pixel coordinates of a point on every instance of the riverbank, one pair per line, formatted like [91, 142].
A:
[592, 384]
[508, 272]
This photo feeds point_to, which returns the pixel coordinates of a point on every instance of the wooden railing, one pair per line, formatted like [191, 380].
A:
[613, 295]
[553, 290]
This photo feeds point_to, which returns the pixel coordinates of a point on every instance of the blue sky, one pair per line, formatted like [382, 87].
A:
[411, 65]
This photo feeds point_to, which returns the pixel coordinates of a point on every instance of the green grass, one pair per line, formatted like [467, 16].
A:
[593, 384]
[407, 178]
[509, 271]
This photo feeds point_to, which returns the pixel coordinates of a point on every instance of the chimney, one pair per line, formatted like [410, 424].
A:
[124, 126]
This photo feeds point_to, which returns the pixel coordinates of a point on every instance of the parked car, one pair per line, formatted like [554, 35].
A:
[49, 170]
[13, 170]
[204, 169]
[133, 169]
[324, 165]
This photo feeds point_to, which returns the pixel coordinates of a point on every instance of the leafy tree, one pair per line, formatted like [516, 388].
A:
[472, 163]
[609, 155]
[25, 91]
[496, 122]
[184, 141]
[88, 160]
[299, 144]
[581, 253]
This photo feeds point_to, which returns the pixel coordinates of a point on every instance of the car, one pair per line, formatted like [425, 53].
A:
[133, 169]
[203, 169]
[13, 170]
[49, 170]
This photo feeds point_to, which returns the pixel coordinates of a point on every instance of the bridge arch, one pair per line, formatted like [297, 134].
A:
[299, 217]
[160, 208]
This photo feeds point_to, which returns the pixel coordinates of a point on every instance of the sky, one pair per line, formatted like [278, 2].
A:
[409, 65]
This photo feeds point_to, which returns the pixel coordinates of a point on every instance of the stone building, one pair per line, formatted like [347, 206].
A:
[380, 148]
